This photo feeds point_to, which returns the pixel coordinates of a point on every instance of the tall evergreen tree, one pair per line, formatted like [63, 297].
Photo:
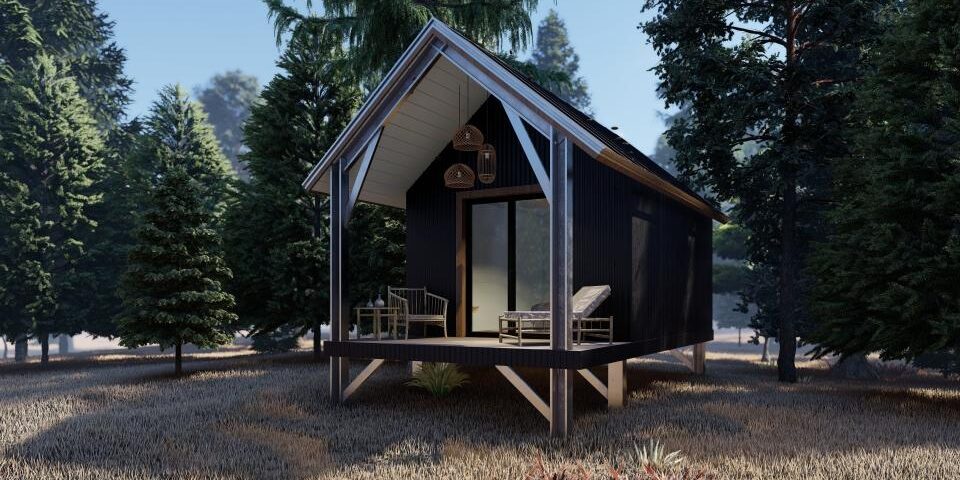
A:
[75, 33]
[173, 289]
[553, 52]
[176, 132]
[377, 31]
[227, 99]
[276, 230]
[888, 276]
[50, 155]
[19, 40]
[116, 217]
[776, 73]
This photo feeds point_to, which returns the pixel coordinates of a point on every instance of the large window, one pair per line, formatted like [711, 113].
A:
[533, 255]
[509, 260]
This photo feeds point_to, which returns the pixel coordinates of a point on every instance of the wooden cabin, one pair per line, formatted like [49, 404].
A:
[566, 204]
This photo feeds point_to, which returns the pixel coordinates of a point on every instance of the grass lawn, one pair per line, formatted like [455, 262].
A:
[266, 417]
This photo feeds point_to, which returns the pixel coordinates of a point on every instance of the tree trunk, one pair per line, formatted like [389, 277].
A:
[65, 342]
[44, 348]
[317, 341]
[739, 337]
[20, 349]
[4, 347]
[786, 334]
[178, 360]
[765, 356]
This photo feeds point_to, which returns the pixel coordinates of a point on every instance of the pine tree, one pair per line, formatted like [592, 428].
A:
[116, 218]
[774, 74]
[377, 31]
[75, 33]
[51, 156]
[25, 289]
[277, 231]
[19, 40]
[177, 133]
[554, 53]
[888, 276]
[173, 288]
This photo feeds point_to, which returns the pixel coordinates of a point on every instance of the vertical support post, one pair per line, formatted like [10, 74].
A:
[616, 384]
[339, 328]
[700, 358]
[561, 277]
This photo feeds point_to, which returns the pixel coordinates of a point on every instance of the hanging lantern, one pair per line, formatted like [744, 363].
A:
[468, 139]
[459, 176]
[487, 164]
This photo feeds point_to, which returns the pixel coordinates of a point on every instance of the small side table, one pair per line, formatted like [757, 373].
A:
[376, 315]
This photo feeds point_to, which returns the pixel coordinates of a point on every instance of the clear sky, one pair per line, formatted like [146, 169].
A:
[188, 41]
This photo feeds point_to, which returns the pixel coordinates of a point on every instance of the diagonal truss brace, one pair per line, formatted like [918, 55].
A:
[525, 390]
[361, 377]
[529, 151]
[696, 361]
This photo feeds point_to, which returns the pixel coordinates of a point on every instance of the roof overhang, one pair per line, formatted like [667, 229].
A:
[438, 47]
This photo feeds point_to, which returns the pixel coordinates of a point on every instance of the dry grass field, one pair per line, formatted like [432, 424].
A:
[251, 416]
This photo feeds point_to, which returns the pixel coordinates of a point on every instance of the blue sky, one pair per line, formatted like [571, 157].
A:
[188, 41]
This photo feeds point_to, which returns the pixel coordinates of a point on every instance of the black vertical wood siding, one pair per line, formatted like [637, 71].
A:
[674, 310]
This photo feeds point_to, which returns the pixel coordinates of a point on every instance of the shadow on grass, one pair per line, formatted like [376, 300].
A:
[268, 417]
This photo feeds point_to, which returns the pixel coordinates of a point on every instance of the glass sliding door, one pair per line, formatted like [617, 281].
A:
[490, 266]
[509, 260]
[532, 255]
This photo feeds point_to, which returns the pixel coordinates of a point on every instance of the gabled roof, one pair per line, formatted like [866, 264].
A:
[437, 43]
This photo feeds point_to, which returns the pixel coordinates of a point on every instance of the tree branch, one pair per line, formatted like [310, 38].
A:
[761, 33]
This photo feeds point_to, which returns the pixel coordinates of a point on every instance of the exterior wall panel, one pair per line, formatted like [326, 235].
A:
[673, 305]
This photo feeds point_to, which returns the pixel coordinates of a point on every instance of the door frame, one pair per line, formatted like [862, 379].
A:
[464, 200]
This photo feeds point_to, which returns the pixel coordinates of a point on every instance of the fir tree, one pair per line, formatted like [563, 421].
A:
[554, 53]
[377, 31]
[75, 33]
[177, 133]
[109, 244]
[19, 40]
[25, 289]
[173, 288]
[888, 276]
[51, 156]
[276, 230]
[774, 75]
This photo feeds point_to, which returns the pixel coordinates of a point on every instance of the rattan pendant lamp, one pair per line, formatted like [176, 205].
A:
[468, 138]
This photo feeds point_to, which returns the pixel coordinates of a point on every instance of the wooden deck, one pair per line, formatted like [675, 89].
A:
[488, 351]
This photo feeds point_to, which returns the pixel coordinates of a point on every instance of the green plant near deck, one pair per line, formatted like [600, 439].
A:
[654, 456]
[438, 378]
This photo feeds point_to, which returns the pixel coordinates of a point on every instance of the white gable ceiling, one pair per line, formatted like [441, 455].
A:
[416, 132]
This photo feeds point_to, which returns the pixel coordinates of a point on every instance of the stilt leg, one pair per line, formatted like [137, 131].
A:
[339, 377]
[616, 384]
[700, 358]
[561, 396]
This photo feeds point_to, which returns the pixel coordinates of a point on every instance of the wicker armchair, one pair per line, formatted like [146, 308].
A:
[417, 305]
